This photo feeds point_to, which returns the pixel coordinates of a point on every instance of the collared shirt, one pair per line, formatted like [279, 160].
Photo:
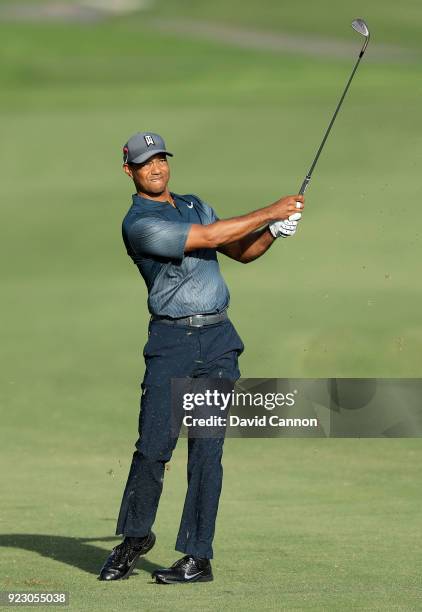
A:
[179, 284]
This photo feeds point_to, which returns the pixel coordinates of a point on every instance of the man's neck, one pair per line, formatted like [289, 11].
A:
[161, 197]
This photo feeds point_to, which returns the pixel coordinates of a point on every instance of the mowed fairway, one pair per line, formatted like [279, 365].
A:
[304, 524]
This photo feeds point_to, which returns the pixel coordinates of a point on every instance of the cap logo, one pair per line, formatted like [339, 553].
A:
[149, 140]
[125, 155]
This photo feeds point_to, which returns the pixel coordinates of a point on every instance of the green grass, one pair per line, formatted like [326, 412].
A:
[315, 525]
[335, 520]
[325, 17]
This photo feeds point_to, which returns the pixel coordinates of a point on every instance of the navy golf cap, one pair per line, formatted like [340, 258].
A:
[142, 146]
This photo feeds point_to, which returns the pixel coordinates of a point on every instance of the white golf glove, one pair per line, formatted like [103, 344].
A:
[286, 228]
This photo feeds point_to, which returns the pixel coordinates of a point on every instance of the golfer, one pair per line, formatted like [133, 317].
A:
[173, 240]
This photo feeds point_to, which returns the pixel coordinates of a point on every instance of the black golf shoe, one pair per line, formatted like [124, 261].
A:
[122, 560]
[187, 569]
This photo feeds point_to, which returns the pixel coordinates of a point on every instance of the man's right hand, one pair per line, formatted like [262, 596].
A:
[287, 206]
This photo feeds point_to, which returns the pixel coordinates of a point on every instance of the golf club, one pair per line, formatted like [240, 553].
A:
[361, 27]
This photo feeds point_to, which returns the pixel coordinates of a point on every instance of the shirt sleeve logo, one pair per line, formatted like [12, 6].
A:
[149, 140]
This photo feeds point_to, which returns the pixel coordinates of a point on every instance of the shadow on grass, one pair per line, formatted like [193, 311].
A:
[78, 552]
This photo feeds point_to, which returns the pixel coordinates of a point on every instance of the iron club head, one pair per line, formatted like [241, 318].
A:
[361, 27]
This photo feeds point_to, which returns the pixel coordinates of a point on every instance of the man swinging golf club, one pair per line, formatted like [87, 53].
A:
[174, 239]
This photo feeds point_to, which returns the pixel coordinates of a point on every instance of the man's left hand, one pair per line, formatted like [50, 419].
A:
[283, 229]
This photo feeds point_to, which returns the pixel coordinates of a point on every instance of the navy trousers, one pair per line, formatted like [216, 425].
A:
[177, 352]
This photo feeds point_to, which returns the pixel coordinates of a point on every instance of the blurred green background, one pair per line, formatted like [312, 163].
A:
[340, 299]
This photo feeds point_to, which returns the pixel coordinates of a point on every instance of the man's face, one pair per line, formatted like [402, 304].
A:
[152, 176]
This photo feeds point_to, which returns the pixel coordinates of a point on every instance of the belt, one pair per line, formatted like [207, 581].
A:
[198, 320]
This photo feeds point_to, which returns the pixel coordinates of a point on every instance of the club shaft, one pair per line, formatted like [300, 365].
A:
[311, 169]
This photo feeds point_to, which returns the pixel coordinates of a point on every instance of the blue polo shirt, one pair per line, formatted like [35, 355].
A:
[179, 284]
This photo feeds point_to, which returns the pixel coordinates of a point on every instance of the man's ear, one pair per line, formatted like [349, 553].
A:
[127, 170]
